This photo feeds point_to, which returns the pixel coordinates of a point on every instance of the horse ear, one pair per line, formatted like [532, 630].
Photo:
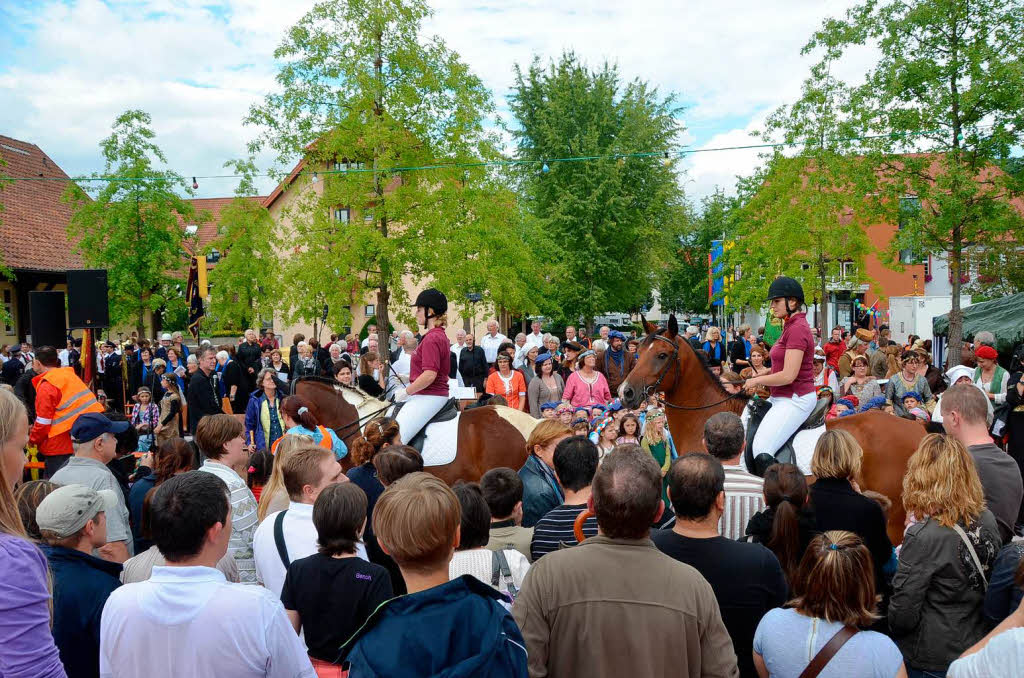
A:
[649, 328]
[673, 327]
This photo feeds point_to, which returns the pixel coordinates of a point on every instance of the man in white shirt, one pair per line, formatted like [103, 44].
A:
[371, 331]
[491, 341]
[536, 337]
[457, 346]
[187, 620]
[522, 348]
[724, 439]
[306, 473]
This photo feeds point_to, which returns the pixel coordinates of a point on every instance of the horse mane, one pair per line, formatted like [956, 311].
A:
[333, 383]
[704, 365]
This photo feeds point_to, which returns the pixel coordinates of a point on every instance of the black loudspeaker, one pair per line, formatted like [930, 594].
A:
[88, 299]
[46, 319]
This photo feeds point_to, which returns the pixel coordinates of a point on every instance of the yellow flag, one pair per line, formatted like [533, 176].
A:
[201, 276]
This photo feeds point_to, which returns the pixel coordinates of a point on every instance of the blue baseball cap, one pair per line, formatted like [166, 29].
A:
[92, 425]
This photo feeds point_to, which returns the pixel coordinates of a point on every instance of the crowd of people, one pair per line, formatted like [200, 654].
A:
[232, 542]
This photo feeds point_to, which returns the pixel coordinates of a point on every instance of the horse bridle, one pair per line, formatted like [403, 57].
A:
[653, 388]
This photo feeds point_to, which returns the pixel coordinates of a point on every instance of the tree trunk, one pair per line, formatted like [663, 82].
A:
[956, 321]
[383, 321]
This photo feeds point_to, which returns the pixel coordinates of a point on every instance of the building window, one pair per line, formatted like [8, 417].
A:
[9, 308]
[368, 216]
[213, 257]
[341, 215]
[371, 309]
[847, 269]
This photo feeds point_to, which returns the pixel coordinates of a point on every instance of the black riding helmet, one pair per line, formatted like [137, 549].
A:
[786, 287]
[432, 300]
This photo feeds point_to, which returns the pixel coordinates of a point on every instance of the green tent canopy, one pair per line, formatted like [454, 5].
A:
[1002, 317]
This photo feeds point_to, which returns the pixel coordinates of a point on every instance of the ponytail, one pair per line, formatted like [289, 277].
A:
[376, 434]
[785, 491]
[297, 408]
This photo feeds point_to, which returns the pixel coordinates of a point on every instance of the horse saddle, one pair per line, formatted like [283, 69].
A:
[758, 408]
[449, 411]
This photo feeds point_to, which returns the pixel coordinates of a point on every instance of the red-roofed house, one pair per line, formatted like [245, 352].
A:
[33, 231]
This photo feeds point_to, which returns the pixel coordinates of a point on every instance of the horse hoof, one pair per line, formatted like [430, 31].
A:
[761, 464]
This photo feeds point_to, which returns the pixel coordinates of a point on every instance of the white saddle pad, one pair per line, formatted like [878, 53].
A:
[803, 447]
[441, 443]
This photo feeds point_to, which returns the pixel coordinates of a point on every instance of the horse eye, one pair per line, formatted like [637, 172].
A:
[662, 356]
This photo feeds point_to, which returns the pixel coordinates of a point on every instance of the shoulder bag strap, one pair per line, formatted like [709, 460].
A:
[826, 653]
[495, 569]
[282, 549]
[506, 573]
[974, 554]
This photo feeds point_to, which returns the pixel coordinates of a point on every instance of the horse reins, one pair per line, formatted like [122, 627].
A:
[653, 388]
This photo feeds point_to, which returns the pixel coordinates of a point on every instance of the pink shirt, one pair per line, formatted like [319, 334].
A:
[796, 334]
[433, 354]
[581, 394]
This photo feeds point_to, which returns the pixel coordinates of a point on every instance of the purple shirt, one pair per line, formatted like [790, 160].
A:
[432, 355]
[26, 643]
[796, 335]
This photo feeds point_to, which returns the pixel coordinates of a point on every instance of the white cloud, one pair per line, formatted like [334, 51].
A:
[196, 68]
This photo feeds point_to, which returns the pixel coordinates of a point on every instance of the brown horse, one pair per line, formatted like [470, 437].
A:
[488, 437]
[668, 363]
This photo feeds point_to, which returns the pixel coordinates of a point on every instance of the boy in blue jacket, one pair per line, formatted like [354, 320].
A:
[445, 628]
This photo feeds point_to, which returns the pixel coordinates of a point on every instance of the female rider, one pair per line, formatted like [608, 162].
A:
[428, 367]
[792, 379]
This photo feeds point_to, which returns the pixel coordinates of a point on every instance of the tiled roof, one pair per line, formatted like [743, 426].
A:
[33, 222]
[208, 231]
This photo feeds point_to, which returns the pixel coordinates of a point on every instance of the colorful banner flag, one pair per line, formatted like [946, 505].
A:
[194, 297]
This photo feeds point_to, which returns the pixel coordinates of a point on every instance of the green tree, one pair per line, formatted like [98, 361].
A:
[132, 225]
[806, 215]
[364, 94]
[246, 278]
[685, 285]
[948, 81]
[612, 223]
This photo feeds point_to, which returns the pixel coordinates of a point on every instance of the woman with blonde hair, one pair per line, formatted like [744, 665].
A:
[656, 443]
[936, 610]
[541, 491]
[274, 496]
[714, 347]
[838, 505]
[26, 643]
[833, 595]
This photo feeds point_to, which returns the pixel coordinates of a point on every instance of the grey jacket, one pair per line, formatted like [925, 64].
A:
[936, 609]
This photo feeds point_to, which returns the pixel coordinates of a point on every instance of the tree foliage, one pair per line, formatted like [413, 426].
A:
[949, 82]
[806, 214]
[685, 284]
[132, 226]
[362, 93]
[607, 227]
[245, 282]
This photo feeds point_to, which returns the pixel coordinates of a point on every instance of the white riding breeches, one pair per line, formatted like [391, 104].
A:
[785, 417]
[416, 412]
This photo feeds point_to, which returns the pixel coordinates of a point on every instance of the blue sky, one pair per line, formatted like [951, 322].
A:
[67, 69]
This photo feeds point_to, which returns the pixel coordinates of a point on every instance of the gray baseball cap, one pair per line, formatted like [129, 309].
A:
[67, 509]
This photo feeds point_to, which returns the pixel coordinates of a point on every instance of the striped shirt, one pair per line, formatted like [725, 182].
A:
[744, 496]
[243, 520]
[556, 528]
